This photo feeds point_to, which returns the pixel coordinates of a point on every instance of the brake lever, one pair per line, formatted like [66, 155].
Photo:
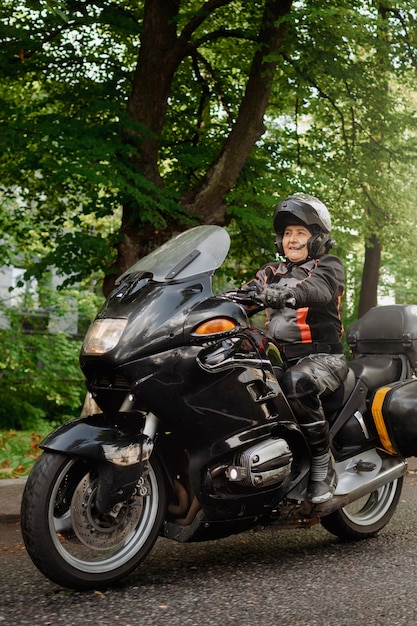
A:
[248, 297]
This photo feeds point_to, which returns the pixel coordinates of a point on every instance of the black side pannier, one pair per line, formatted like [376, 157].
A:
[394, 410]
[390, 329]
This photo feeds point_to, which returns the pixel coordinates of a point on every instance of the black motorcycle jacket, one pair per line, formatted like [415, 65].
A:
[313, 324]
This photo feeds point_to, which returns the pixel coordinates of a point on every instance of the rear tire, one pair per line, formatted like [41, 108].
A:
[69, 541]
[365, 517]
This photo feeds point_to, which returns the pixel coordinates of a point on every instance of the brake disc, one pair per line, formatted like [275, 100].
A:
[97, 531]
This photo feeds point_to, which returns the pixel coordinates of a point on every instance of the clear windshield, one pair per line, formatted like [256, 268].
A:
[197, 250]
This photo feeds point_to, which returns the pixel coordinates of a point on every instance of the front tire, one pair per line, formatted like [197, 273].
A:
[66, 538]
[365, 517]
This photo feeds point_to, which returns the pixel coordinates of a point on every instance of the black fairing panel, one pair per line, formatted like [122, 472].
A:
[156, 315]
[159, 333]
[207, 404]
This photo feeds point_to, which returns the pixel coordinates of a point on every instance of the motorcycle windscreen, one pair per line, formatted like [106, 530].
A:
[394, 410]
[195, 251]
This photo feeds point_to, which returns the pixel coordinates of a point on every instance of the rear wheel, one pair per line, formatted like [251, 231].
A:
[69, 541]
[365, 517]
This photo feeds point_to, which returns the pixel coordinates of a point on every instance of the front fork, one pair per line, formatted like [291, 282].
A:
[119, 479]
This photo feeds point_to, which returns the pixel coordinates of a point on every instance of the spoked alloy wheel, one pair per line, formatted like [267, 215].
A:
[365, 517]
[69, 541]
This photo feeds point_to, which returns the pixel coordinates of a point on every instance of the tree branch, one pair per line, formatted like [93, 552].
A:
[407, 40]
[200, 16]
[323, 94]
[207, 197]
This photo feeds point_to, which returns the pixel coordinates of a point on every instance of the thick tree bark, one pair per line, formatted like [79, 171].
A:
[162, 50]
[370, 276]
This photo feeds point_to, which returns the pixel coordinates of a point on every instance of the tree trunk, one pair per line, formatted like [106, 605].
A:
[162, 50]
[370, 276]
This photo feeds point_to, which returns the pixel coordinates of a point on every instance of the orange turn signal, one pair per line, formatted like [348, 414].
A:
[216, 325]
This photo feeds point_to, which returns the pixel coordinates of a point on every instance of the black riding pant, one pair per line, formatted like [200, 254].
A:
[304, 383]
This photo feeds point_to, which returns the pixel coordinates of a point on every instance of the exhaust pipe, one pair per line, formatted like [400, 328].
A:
[391, 470]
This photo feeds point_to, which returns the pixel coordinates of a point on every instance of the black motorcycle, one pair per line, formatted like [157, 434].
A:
[193, 438]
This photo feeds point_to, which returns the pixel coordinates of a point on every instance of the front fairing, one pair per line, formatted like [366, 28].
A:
[156, 315]
[162, 298]
[158, 342]
[156, 294]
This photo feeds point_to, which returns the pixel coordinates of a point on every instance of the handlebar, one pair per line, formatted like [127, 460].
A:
[250, 297]
[246, 297]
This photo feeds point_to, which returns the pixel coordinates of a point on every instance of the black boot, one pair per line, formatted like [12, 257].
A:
[302, 394]
[323, 478]
[321, 489]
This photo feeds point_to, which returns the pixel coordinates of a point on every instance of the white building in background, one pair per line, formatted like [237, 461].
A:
[13, 296]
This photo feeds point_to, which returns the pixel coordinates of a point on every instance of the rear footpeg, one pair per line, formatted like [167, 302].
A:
[391, 469]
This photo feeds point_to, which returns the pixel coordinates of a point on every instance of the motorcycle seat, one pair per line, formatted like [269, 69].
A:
[376, 370]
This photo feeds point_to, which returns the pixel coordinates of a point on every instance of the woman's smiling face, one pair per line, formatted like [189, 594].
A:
[294, 243]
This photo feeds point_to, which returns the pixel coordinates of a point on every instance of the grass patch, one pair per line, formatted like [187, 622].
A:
[19, 451]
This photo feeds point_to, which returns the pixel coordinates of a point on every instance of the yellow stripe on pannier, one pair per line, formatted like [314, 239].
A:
[377, 414]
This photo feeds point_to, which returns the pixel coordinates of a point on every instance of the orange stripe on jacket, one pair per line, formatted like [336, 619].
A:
[305, 330]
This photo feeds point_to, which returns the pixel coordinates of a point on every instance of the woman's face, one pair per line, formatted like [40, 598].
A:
[294, 243]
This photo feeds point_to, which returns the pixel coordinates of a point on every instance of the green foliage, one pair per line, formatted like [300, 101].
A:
[19, 450]
[39, 377]
[340, 125]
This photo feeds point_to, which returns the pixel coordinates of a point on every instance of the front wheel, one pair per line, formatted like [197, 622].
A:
[69, 541]
[365, 517]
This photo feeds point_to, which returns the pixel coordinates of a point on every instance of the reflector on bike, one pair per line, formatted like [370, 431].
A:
[217, 325]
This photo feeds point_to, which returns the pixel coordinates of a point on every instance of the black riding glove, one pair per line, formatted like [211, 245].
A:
[278, 297]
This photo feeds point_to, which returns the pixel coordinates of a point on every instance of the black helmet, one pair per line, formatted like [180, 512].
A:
[307, 210]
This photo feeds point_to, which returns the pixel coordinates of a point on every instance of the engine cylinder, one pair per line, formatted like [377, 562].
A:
[266, 463]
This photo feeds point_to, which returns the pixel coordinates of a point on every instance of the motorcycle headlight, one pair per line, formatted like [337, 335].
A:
[103, 335]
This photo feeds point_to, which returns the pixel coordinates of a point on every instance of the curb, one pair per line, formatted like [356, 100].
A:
[11, 491]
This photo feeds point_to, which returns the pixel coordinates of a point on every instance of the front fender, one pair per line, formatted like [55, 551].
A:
[116, 445]
[116, 438]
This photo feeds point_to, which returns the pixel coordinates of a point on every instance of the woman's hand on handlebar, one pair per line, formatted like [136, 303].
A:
[278, 297]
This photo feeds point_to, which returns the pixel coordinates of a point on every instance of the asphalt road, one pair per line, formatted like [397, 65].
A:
[285, 577]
